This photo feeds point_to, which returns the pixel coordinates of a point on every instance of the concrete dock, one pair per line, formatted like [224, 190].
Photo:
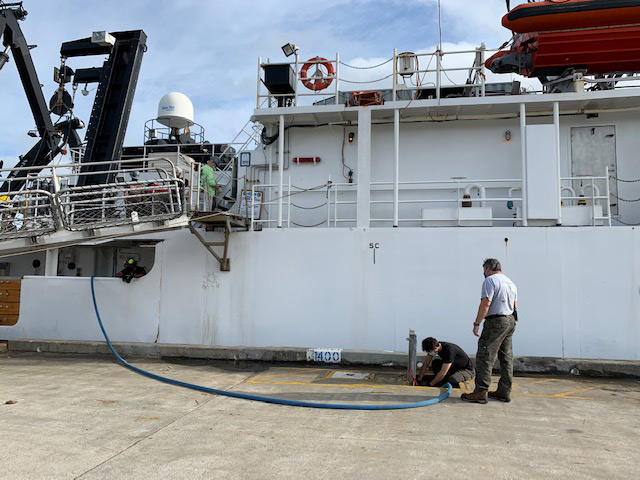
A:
[82, 416]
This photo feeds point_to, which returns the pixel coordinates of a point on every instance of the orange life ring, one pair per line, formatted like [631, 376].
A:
[317, 82]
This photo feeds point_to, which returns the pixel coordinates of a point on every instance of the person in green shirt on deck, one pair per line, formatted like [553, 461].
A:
[208, 183]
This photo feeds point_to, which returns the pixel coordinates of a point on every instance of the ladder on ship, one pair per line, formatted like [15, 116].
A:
[246, 139]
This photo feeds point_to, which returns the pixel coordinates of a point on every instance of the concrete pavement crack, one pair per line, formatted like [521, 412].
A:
[213, 397]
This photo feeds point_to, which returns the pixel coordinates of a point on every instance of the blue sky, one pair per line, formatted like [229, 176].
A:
[209, 49]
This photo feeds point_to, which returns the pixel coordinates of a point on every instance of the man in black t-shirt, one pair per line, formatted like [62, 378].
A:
[453, 366]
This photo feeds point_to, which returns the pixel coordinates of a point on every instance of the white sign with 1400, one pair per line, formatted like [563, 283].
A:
[324, 355]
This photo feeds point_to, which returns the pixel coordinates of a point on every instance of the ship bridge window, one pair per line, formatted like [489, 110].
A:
[105, 259]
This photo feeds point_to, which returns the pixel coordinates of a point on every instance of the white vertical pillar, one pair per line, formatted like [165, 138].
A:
[280, 169]
[523, 151]
[556, 127]
[270, 182]
[51, 262]
[396, 174]
[364, 168]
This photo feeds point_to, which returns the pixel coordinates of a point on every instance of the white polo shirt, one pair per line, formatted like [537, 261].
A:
[502, 293]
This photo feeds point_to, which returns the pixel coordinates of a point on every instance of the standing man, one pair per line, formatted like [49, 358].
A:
[453, 366]
[498, 309]
[208, 184]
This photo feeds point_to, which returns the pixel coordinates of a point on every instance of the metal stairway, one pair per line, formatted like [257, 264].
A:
[246, 139]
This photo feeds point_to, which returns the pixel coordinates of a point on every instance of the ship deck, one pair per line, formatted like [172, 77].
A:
[86, 417]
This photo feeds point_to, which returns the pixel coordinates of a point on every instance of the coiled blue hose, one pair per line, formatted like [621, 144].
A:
[258, 398]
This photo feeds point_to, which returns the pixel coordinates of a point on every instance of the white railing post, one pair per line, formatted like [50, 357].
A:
[438, 74]
[258, 82]
[593, 202]
[191, 175]
[483, 49]
[280, 168]
[198, 188]
[335, 207]
[395, 74]
[337, 79]
[289, 204]
[250, 205]
[396, 175]
[523, 152]
[295, 74]
[329, 202]
[608, 190]
[458, 203]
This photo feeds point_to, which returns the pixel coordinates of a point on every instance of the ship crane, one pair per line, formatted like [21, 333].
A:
[53, 138]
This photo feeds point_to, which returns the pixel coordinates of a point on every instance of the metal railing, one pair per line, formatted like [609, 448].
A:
[51, 198]
[27, 213]
[403, 67]
[592, 200]
[439, 193]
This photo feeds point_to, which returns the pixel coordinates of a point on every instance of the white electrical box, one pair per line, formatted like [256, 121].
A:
[103, 38]
[407, 64]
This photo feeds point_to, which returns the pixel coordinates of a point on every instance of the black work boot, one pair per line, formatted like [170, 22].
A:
[503, 397]
[475, 397]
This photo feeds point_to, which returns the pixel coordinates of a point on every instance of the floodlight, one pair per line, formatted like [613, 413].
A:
[289, 49]
[4, 57]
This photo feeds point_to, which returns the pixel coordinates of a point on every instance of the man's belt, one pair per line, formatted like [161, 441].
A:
[490, 317]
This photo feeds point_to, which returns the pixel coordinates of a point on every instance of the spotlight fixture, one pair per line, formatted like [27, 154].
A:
[290, 49]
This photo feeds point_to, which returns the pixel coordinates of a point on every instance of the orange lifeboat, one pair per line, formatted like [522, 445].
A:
[552, 37]
[571, 14]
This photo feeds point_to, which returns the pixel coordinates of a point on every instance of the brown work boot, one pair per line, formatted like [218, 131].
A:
[503, 397]
[474, 397]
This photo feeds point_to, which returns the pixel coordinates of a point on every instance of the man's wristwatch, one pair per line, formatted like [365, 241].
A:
[476, 324]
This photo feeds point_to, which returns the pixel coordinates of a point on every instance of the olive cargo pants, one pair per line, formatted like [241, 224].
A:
[495, 341]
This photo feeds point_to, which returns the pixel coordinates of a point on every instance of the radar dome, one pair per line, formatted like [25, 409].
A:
[175, 110]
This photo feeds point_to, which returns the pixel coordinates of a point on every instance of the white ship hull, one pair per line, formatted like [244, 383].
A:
[321, 288]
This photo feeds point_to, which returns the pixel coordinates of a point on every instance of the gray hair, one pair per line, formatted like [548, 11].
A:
[492, 264]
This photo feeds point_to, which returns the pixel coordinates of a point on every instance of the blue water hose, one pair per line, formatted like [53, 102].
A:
[258, 398]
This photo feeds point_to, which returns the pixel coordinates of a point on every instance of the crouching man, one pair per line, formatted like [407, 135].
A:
[453, 366]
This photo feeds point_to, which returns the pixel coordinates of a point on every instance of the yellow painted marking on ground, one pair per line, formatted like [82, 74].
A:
[146, 418]
[544, 380]
[329, 373]
[271, 375]
[564, 394]
[347, 385]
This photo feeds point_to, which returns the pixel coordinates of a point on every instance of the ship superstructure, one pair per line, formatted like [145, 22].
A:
[351, 216]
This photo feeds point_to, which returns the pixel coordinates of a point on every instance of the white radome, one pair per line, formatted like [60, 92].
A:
[175, 110]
